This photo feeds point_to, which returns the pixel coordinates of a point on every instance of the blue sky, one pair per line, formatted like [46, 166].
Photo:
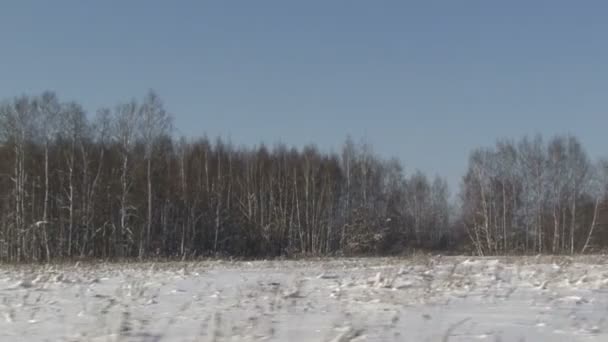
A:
[425, 81]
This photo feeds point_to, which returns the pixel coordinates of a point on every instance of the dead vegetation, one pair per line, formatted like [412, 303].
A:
[386, 299]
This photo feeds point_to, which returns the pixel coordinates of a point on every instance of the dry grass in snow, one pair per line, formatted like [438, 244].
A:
[379, 299]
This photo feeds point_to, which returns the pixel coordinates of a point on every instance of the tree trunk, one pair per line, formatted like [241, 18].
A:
[71, 204]
[149, 219]
[593, 224]
[556, 238]
[123, 206]
[504, 218]
[46, 202]
[572, 227]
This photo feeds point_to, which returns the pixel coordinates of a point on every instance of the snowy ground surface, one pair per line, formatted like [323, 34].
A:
[419, 299]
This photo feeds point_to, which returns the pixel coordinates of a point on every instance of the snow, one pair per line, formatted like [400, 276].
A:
[373, 299]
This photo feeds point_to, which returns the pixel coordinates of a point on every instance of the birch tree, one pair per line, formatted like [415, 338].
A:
[154, 122]
[17, 119]
[49, 108]
[74, 125]
[125, 123]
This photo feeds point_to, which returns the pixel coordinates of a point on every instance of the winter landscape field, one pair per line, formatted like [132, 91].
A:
[375, 299]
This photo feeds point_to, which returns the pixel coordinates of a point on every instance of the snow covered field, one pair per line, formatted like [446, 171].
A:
[379, 299]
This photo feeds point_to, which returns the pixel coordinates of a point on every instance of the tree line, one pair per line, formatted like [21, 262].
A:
[532, 196]
[118, 184]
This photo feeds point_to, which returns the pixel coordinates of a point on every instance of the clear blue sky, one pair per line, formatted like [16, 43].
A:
[425, 81]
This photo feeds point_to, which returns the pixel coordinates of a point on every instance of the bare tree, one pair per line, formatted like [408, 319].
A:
[73, 126]
[17, 122]
[126, 120]
[154, 123]
[50, 109]
[598, 190]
